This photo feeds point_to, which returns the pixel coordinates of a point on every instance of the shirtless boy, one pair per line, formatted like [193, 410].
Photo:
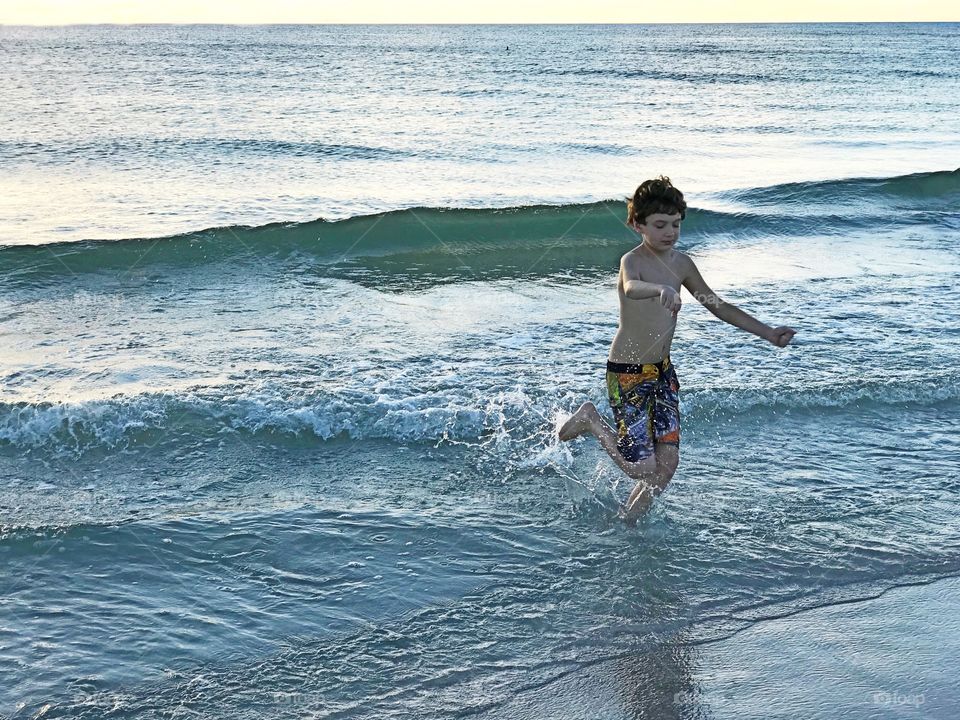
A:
[641, 381]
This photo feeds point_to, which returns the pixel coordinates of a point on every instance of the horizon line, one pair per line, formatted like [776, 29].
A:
[467, 24]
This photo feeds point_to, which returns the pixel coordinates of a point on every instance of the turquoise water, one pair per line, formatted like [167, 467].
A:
[290, 316]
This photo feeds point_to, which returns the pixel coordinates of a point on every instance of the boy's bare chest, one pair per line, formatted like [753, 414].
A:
[661, 272]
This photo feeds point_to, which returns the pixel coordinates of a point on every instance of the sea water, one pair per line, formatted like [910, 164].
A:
[290, 316]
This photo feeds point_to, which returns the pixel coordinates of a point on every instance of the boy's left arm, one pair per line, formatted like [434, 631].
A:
[693, 281]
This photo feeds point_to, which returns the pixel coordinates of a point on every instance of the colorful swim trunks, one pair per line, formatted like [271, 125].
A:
[646, 406]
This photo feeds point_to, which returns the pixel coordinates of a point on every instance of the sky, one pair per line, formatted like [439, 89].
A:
[62, 12]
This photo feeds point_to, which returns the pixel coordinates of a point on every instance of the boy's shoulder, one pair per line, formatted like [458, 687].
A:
[683, 259]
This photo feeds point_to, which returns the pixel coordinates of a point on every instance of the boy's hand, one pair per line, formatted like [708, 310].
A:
[780, 336]
[670, 299]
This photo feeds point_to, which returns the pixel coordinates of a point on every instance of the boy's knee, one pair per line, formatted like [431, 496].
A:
[642, 469]
[668, 458]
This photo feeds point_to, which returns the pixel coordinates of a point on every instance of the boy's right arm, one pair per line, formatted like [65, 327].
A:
[636, 288]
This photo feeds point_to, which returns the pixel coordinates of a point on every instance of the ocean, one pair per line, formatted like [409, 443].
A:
[291, 315]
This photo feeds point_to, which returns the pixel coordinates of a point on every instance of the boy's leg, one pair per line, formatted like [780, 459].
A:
[666, 424]
[652, 473]
[587, 420]
[667, 458]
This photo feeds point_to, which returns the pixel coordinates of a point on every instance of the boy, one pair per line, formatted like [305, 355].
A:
[641, 381]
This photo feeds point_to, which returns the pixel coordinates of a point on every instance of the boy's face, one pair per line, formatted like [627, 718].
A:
[660, 231]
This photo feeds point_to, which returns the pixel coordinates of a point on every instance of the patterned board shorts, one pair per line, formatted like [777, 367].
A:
[646, 406]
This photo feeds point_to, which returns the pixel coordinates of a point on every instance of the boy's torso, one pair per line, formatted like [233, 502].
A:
[646, 326]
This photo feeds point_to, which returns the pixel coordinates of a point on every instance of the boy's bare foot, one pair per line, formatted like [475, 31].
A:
[580, 422]
[638, 504]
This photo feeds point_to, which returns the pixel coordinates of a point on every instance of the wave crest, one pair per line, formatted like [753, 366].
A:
[510, 420]
[582, 236]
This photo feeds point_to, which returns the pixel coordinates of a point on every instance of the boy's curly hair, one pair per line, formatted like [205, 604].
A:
[655, 196]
